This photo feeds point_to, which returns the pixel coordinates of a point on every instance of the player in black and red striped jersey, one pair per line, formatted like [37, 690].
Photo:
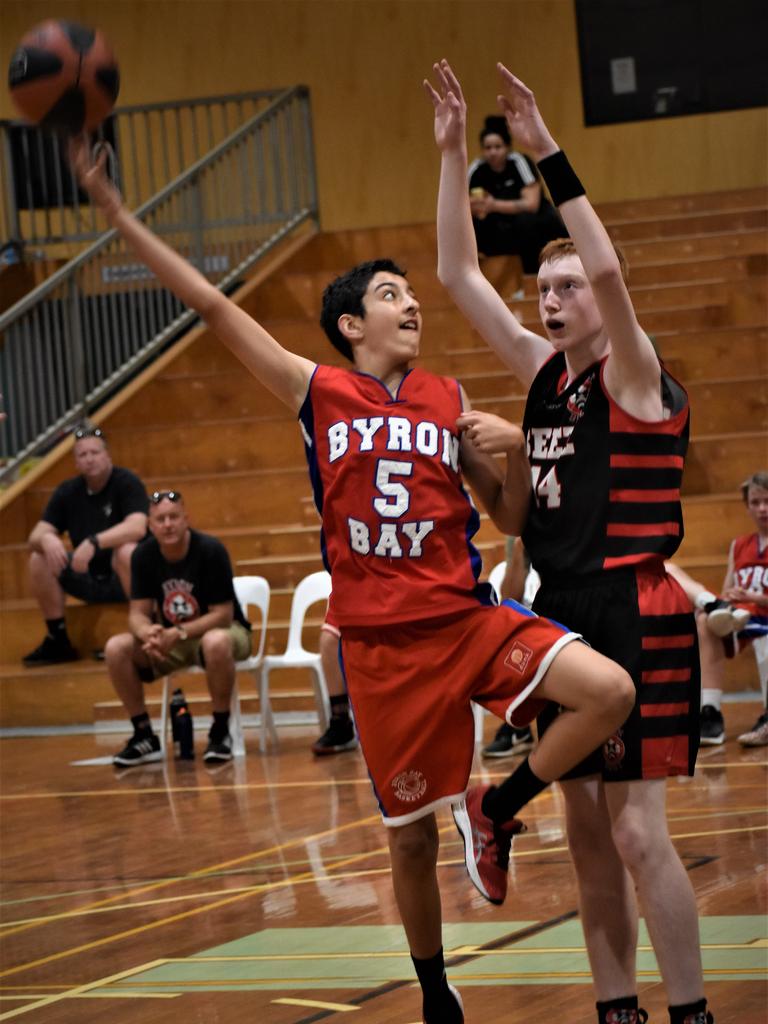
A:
[606, 430]
[389, 448]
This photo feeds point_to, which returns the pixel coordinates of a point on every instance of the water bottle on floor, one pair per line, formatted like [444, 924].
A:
[181, 727]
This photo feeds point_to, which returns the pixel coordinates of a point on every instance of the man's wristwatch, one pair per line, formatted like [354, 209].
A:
[183, 635]
[95, 541]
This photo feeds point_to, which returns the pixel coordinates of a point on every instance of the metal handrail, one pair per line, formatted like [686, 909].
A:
[79, 335]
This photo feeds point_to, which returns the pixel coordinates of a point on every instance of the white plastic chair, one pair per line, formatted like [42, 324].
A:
[251, 592]
[313, 588]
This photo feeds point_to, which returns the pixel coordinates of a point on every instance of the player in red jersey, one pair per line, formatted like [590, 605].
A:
[388, 448]
[733, 622]
[606, 430]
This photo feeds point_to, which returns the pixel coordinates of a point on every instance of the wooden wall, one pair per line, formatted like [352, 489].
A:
[364, 61]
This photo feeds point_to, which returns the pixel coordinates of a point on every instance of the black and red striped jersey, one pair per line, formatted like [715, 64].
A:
[605, 486]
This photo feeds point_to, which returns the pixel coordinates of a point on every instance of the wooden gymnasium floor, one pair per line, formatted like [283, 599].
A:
[259, 892]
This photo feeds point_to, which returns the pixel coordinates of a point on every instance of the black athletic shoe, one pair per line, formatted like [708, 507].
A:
[723, 618]
[218, 751]
[50, 652]
[139, 750]
[339, 736]
[712, 727]
[508, 741]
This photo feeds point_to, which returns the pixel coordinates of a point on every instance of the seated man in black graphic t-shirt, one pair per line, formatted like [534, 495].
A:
[104, 512]
[183, 612]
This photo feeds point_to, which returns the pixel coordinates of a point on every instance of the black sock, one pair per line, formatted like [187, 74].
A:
[608, 1007]
[501, 803]
[695, 1013]
[340, 706]
[141, 724]
[440, 1006]
[57, 630]
[220, 727]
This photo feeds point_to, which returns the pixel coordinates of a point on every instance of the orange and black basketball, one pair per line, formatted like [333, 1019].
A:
[64, 77]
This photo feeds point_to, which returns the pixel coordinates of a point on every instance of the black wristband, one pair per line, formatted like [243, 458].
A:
[95, 541]
[560, 178]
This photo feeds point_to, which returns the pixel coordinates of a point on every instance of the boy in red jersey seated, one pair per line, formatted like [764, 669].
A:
[388, 447]
[738, 618]
[607, 431]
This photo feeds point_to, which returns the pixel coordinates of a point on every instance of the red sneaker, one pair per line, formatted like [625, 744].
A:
[486, 844]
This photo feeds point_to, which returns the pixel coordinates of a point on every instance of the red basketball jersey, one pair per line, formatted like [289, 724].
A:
[750, 568]
[397, 521]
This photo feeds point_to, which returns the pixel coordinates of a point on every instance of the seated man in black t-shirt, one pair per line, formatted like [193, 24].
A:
[183, 611]
[104, 512]
[509, 212]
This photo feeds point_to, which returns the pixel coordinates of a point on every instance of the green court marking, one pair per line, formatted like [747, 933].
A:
[365, 956]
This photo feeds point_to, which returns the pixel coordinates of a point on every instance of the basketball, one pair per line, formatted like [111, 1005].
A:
[64, 77]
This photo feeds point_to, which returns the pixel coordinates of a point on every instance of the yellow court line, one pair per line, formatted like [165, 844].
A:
[202, 872]
[80, 990]
[315, 1004]
[316, 784]
[305, 878]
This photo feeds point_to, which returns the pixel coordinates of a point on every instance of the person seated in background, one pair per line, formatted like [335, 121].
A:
[104, 511]
[730, 623]
[340, 734]
[509, 741]
[183, 578]
[510, 215]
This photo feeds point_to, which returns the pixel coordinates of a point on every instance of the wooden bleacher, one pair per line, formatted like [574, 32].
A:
[199, 423]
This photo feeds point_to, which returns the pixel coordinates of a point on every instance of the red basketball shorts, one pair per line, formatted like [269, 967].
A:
[410, 687]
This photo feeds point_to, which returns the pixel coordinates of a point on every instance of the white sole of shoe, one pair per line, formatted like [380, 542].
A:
[156, 755]
[455, 992]
[712, 741]
[464, 825]
[721, 622]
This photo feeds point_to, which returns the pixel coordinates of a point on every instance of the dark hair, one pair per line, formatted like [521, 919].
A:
[345, 295]
[495, 124]
[759, 479]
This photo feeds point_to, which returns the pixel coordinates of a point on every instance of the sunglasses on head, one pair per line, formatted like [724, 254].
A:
[157, 496]
[82, 432]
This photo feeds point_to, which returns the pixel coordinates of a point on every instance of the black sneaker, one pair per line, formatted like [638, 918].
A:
[508, 741]
[712, 727]
[723, 618]
[50, 652]
[339, 736]
[218, 751]
[140, 749]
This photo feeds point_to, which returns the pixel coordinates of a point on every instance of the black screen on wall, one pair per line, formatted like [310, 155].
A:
[643, 59]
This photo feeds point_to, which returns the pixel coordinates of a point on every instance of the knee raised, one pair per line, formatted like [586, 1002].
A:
[620, 694]
[121, 556]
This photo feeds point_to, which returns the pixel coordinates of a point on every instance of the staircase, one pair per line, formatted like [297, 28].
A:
[195, 421]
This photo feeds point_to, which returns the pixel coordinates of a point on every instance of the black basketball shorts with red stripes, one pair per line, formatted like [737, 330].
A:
[642, 620]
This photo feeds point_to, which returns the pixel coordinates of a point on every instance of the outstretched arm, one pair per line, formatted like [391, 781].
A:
[284, 373]
[632, 372]
[458, 267]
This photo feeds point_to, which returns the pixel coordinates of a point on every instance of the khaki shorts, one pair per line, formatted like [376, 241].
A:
[188, 652]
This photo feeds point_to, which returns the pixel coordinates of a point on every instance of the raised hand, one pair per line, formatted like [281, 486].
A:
[92, 176]
[526, 124]
[450, 108]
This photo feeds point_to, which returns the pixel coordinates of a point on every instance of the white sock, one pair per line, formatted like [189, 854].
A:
[705, 597]
[712, 698]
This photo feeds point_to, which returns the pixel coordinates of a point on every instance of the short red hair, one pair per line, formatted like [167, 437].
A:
[560, 247]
